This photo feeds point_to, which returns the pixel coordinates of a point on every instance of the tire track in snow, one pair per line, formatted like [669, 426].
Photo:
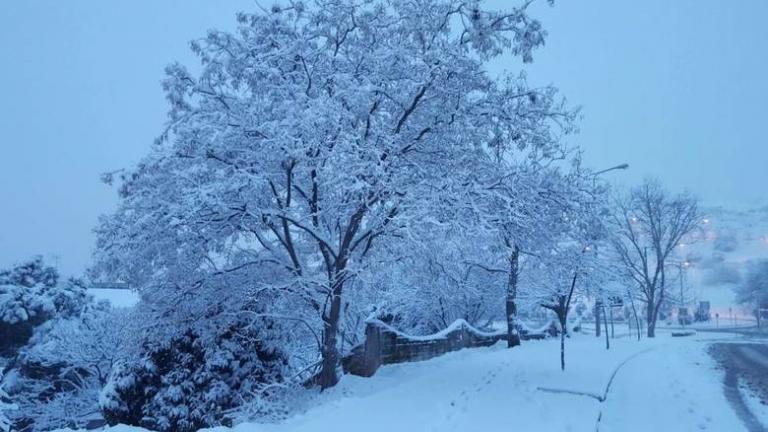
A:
[735, 358]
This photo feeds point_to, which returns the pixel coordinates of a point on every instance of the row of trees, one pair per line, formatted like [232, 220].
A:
[341, 161]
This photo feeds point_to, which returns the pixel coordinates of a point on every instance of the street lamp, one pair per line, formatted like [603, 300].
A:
[683, 266]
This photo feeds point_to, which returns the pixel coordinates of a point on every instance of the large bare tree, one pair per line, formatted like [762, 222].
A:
[650, 224]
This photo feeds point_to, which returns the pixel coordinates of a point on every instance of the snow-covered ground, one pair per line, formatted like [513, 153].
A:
[666, 384]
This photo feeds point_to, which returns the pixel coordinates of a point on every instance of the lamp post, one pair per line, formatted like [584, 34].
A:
[617, 167]
[683, 266]
[598, 303]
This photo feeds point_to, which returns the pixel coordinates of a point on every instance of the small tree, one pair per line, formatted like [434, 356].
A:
[570, 266]
[533, 199]
[648, 225]
[753, 291]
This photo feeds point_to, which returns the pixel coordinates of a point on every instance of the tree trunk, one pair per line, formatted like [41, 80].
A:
[613, 332]
[597, 318]
[562, 350]
[651, 317]
[562, 313]
[757, 316]
[330, 353]
[634, 312]
[563, 317]
[513, 336]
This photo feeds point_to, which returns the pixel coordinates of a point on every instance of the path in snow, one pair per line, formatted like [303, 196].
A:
[675, 387]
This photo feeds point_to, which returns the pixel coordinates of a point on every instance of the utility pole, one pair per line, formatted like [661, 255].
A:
[682, 298]
[605, 322]
[597, 317]
[613, 334]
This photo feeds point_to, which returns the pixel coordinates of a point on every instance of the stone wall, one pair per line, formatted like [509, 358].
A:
[386, 345]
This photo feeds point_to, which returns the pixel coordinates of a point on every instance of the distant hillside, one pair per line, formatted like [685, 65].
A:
[731, 238]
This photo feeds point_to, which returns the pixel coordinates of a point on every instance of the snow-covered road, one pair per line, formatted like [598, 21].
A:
[746, 379]
[670, 384]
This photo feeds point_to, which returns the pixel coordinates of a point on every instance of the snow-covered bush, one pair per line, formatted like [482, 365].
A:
[6, 407]
[33, 302]
[194, 381]
[753, 290]
[31, 294]
[31, 273]
[58, 374]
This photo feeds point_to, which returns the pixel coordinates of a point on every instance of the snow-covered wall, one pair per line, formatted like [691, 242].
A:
[386, 345]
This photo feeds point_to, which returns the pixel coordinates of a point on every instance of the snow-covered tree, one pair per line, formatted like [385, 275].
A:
[445, 275]
[30, 273]
[649, 225]
[569, 265]
[753, 290]
[30, 294]
[59, 373]
[528, 207]
[309, 137]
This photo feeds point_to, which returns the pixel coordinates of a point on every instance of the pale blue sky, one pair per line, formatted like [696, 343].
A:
[677, 89]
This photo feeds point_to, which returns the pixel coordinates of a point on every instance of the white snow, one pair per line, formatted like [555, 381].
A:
[755, 405]
[667, 384]
[442, 334]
